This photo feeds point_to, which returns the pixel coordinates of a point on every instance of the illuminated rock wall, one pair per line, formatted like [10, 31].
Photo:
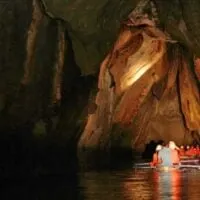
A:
[142, 84]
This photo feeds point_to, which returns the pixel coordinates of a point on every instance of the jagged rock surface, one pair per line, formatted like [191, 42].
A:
[49, 49]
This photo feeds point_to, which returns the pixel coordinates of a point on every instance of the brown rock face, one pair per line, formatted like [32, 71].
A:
[189, 94]
[147, 89]
[32, 43]
[42, 95]
[51, 83]
[37, 68]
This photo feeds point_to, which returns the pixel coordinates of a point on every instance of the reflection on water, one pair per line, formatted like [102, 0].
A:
[107, 185]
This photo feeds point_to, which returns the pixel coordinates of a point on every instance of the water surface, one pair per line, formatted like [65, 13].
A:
[123, 184]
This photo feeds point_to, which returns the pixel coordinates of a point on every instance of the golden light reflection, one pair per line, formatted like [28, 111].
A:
[138, 186]
[169, 184]
[156, 185]
[193, 185]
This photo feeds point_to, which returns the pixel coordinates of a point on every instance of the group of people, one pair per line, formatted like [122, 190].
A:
[166, 155]
[191, 151]
[169, 155]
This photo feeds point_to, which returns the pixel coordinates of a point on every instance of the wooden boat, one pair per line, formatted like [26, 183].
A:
[169, 169]
[189, 164]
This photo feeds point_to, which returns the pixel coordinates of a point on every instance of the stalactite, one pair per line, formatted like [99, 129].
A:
[96, 132]
[57, 82]
[37, 17]
[197, 67]
[139, 17]
[173, 63]
[189, 96]
[142, 122]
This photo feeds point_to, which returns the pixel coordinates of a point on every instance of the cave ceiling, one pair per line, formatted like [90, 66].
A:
[93, 25]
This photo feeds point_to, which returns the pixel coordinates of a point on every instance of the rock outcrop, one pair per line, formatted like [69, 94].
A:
[98, 75]
[147, 90]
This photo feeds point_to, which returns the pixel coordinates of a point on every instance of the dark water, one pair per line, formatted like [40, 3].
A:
[126, 184]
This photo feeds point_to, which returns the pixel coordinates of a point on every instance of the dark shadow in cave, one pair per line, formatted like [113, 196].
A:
[150, 149]
[51, 188]
[22, 155]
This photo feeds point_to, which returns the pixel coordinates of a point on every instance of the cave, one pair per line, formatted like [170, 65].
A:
[85, 81]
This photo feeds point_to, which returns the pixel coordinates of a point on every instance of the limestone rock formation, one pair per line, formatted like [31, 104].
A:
[143, 57]
[99, 75]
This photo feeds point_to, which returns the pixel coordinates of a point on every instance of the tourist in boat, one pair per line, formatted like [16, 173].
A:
[155, 160]
[198, 150]
[194, 151]
[168, 156]
[190, 151]
[174, 153]
[182, 151]
[164, 156]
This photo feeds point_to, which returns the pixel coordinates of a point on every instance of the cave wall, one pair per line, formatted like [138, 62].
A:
[50, 61]
[43, 98]
[38, 72]
[164, 121]
[29, 38]
[143, 58]
[39, 75]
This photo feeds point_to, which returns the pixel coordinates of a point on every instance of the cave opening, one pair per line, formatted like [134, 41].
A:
[80, 90]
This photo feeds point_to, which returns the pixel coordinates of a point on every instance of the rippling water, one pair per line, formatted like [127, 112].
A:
[107, 185]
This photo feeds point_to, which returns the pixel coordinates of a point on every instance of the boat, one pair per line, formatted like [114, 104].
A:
[184, 164]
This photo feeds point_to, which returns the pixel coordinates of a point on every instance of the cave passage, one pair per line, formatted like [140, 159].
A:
[80, 86]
